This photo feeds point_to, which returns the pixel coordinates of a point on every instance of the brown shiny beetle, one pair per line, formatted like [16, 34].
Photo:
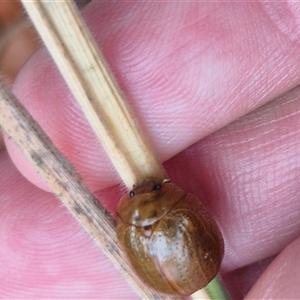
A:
[169, 237]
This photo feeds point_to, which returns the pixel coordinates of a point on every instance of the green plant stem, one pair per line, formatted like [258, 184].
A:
[216, 290]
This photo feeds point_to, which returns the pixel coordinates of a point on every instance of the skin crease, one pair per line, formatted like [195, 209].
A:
[189, 70]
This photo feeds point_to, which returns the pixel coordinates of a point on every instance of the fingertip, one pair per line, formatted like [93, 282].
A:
[281, 279]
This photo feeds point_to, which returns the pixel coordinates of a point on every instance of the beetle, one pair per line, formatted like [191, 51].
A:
[169, 237]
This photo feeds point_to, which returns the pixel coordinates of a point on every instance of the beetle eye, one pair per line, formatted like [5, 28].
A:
[131, 194]
[156, 187]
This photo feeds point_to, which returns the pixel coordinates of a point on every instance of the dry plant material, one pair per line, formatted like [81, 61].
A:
[95, 89]
[102, 102]
[2, 145]
[67, 185]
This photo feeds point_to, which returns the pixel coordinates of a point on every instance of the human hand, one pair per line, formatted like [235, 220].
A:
[188, 71]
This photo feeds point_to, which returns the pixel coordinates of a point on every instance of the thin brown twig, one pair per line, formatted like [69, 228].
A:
[2, 145]
[67, 185]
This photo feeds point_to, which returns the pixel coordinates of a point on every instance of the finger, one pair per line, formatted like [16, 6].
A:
[44, 251]
[249, 175]
[248, 142]
[239, 282]
[188, 70]
[281, 279]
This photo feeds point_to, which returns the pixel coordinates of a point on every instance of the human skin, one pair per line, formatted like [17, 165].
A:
[215, 87]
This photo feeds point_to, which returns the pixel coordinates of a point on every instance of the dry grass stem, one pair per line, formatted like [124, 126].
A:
[67, 185]
[2, 145]
[94, 87]
[91, 82]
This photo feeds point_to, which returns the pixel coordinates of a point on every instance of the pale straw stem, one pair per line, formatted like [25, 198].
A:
[94, 87]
